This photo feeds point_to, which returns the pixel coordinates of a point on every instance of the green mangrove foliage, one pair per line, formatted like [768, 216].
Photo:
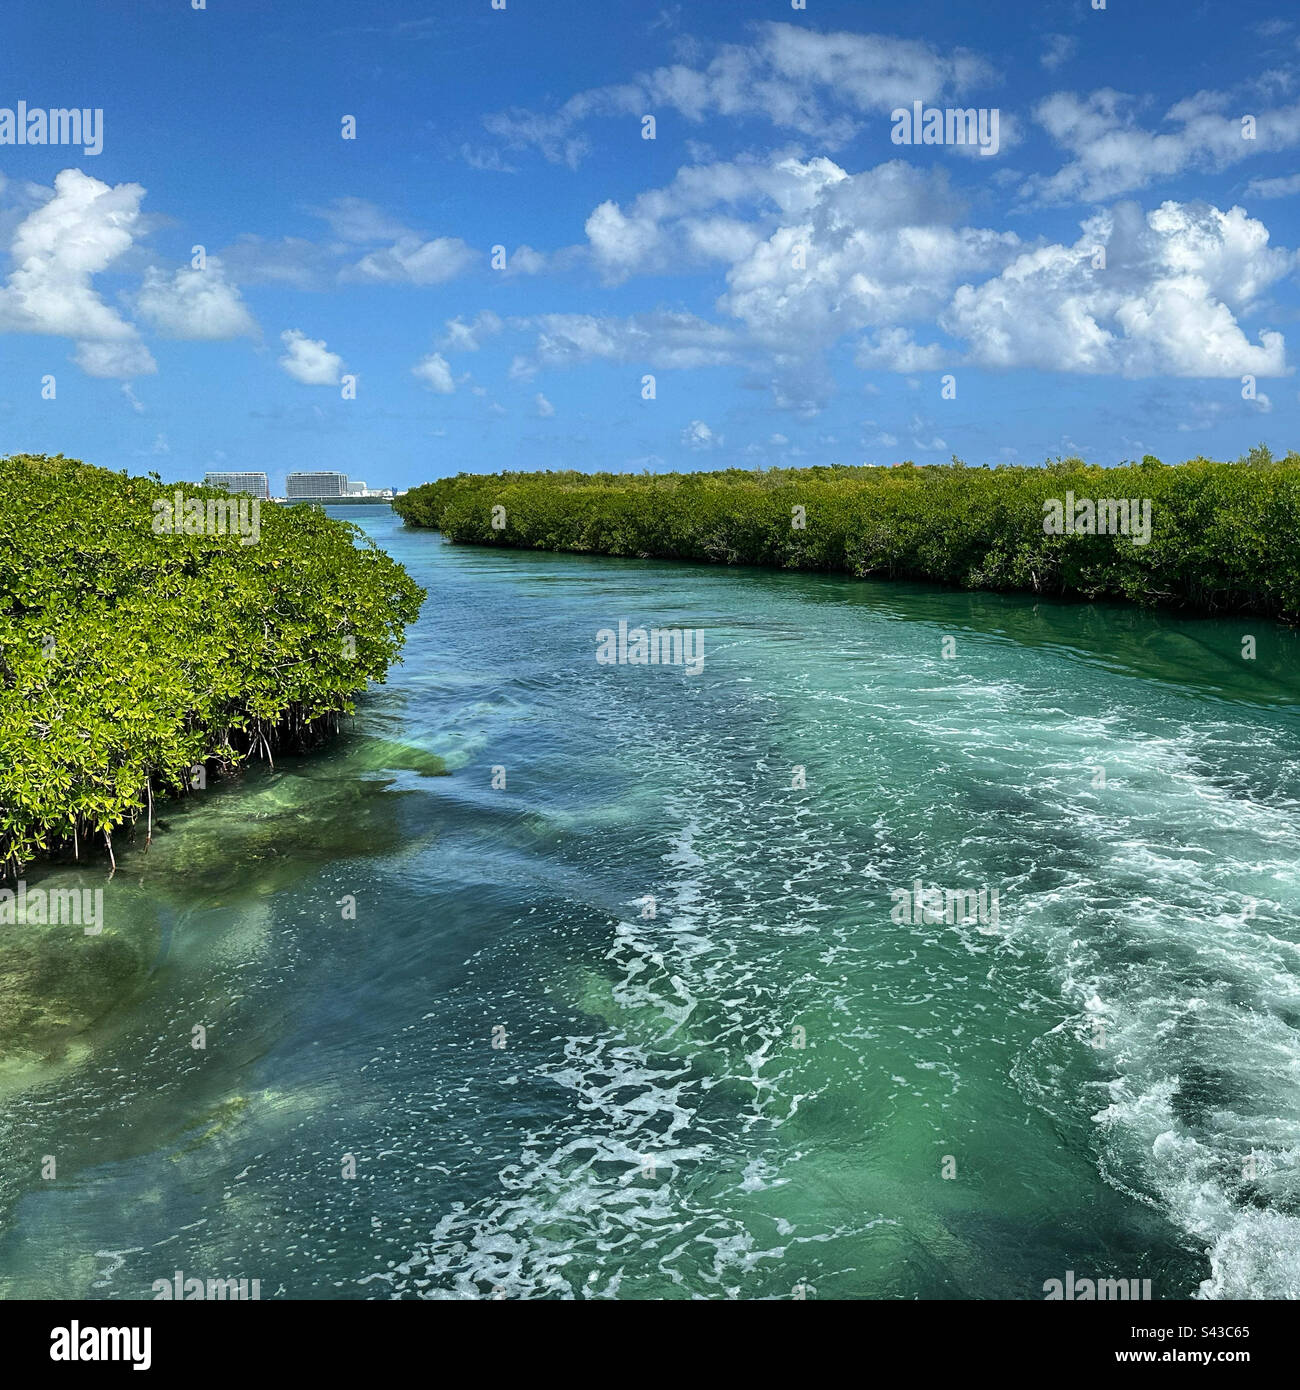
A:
[134, 664]
[1223, 536]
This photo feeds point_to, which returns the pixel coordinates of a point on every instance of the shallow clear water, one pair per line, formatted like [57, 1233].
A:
[1111, 1072]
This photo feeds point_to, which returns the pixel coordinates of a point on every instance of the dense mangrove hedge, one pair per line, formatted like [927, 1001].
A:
[135, 663]
[1223, 536]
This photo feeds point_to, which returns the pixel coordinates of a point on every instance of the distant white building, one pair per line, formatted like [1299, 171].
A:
[254, 484]
[327, 484]
[299, 487]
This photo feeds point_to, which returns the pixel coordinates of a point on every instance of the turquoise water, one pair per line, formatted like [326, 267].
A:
[757, 1091]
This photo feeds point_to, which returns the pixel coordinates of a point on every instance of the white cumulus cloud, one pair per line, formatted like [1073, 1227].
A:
[1113, 154]
[435, 371]
[698, 435]
[468, 337]
[1165, 303]
[411, 261]
[57, 250]
[308, 360]
[819, 85]
[194, 304]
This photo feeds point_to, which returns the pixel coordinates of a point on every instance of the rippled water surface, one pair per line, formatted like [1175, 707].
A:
[756, 1091]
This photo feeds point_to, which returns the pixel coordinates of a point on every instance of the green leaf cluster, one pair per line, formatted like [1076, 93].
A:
[1225, 536]
[129, 659]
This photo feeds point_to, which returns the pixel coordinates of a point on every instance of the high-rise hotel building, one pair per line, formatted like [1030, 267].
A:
[301, 486]
[252, 483]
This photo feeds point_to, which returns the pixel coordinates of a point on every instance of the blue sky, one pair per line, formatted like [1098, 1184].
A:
[798, 284]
